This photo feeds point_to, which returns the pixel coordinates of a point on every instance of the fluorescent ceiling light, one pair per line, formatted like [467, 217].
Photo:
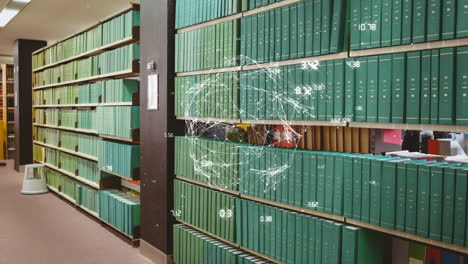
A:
[21, 1]
[6, 15]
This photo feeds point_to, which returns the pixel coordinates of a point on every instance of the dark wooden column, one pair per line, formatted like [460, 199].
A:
[23, 50]
[157, 127]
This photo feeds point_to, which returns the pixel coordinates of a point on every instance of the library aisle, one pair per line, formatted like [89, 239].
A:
[45, 230]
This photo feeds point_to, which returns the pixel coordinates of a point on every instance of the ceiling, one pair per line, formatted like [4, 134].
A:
[53, 20]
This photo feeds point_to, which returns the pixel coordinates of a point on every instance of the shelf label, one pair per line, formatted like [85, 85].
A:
[153, 92]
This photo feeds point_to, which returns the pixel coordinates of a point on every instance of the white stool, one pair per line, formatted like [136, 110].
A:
[37, 183]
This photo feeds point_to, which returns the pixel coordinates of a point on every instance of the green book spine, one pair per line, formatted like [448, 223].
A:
[339, 91]
[386, 37]
[312, 191]
[255, 37]
[298, 179]
[434, 8]
[400, 211]
[321, 93]
[365, 190]
[357, 188]
[248, 40]
[311, 239]
[338, 26]
[285, 46]
[436, 203]
[350, 84]
[460, 206]
[423, 206]
[349, 245]
[407, 21]
[462, 19]
[243, 40]
[301, 29]
[278, 34]
[355, 25]
[434, 116]
[372, 88]
[411, 198]
[385, 86]
[306, 174]
[419, 21]
[462, 86]
[278, 235]
[293, 31]
[298, 238]
[326, 240]
[329, 183]
[388, 189]
[366, 23]
[348, 186]
[318, 240]
[305, 239]
[448, 207]
[360, 110]
[376, 21]
[284, 235]
[320, 183]
[425, 87]
[317, 27]
[271, 48]
[448, 19]
[326, 18]
[285, 158]
[266, 42]
[309, 27]
[375, 191]
[446, 90]
[413, 93]
[261, 38]
[338, 185]
[329, 96]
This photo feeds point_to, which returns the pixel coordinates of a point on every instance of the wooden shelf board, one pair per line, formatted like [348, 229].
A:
[269, 7]
[77, 130]
[201, 119]
[88, 211]
[212, 71]
[410, 47]
[334, 56]
[82, 105]
[116, 229]
[208, 233]
[261, 255]
[128, 72]
[79, 154]
[88, 182]
[131, 186]
[409, 236]
[118, 175]
[293, 123]
[208, 185]
[93, 52]
[294, 208]
[129, 140]
[446, 128]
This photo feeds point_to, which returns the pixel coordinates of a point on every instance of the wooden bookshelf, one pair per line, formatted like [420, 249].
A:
[73, 176]
[83, 105]
[409, 236]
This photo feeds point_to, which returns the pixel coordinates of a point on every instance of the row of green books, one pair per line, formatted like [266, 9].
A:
[114, 61]
[86, 119]
[389, 192]
[119, 209]
[68, 117]
[67, 140]
[205, 208]
[87, 197]
[303, 29]
[209, 47]
[385, 23]
[118, 121]
[60, 182]
[120, 27]
[119, 158]
[114, 30]
[191, 246]
[194, 12]
[422, 87]
[47, 135]
[111, 91]
[210, 95]
[209, 161]
[291, 237]
[89, 144]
